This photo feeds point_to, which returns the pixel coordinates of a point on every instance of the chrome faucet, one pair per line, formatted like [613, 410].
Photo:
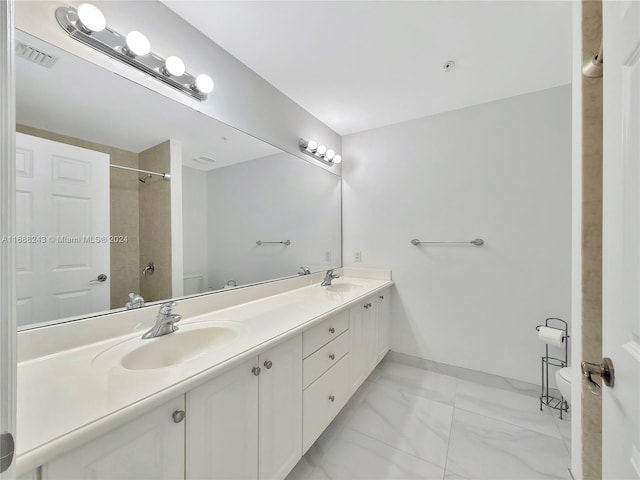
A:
[165, 321]
[304, 271]
[328, 277]
[135, 301]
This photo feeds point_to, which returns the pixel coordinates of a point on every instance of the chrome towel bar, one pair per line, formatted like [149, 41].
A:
[478, 242]
[286, 242]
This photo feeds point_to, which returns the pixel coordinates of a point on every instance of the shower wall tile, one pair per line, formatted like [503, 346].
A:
[155, 224]
[125, 256]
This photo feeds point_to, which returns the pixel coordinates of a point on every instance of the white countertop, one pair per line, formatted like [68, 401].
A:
[66, 398]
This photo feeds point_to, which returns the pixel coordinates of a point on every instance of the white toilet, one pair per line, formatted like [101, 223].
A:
[563, 380]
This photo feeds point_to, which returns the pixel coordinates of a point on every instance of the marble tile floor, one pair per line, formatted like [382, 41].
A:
[407, 422]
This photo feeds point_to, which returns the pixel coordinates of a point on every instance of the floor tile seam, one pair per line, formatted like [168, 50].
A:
[508, 423]
[347, 427]
[400, 386]
[446, 458]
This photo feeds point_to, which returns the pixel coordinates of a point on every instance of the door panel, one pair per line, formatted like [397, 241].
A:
[621, 239]
[62, 205]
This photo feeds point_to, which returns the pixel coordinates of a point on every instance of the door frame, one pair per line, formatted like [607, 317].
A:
[8, 337]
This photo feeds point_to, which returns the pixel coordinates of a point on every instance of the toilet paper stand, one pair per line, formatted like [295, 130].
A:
[548, 360]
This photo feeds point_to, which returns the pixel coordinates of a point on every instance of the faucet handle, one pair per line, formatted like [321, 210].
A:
[166, 307]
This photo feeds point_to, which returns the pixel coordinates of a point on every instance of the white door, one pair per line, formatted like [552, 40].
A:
[280, 410]
[621, 239]
[62, 227]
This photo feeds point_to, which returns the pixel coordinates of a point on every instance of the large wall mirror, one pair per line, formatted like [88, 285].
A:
[235, 210]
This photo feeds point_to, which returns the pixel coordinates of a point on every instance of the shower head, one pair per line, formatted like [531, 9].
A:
[145, 178]
[593, 67]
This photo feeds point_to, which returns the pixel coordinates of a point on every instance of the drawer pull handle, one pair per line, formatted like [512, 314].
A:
[178, 416]
[332, 398]
[256, 371]
[268, 364]
[332, 330]
[332, 356]
[366, 305]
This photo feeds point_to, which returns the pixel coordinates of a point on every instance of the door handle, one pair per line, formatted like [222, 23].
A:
[100, 279]
[604, 370]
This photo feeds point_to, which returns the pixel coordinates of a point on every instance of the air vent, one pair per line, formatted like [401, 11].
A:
[34, 55]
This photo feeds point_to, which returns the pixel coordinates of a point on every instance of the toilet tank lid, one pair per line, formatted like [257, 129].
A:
[565, 373]
[192, 275]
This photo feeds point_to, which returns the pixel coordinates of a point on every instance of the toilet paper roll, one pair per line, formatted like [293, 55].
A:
[552, 336]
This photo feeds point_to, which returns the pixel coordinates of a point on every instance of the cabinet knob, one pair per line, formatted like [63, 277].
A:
[332, 330]
[178, 416]
[369, 304]
[256, 371]
[366, 305]
[332, 398]
[332, 356]
[268, 364]
[381, 297]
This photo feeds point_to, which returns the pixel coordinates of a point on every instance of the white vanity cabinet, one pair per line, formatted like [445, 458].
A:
[326, 375]
[369, 332]
[247, 422]
[151, 447]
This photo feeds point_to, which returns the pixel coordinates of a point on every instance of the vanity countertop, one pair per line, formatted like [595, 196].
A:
[71, 396]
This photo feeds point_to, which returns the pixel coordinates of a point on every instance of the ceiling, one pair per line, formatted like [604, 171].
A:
[358, 65]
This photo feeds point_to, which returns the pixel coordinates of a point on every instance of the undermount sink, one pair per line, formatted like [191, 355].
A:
[343, 287]
[188, 343]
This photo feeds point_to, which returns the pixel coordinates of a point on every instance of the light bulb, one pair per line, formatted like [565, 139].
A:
[137, 44]
[91, 18]
[321, 150]
[204, 83]
[329, 155]
[173, 66]
[337, 159]
[312, 146]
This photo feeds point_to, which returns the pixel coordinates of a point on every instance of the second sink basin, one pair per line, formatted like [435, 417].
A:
[186, 344]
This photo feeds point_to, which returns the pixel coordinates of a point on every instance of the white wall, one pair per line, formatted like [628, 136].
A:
[194, 222]
[500, 171]
[273, 198]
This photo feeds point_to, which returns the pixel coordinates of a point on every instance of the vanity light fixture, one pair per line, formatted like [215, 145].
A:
[88, 25]
[319, 152]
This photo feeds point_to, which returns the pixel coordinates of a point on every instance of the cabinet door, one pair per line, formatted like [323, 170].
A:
[373, 331]
[358, 344]
[222, 426]
[280, 410]
[149, 447]
[384, 311]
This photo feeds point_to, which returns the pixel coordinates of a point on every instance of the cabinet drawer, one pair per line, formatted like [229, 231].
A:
[320, 335]
[322, 401]
[322, 360]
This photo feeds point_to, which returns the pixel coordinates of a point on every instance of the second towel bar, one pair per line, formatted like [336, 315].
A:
[478, 242]
[286, 242]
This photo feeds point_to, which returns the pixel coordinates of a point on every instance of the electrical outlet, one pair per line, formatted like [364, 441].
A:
[358, 256]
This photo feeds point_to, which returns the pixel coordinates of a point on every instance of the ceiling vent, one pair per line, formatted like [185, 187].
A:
[34, 55]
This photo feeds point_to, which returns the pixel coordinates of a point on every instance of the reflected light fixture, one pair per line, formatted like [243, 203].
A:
[174, 66]
[88, 25]
[137, 45]
[319, 152]
[90, 19]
